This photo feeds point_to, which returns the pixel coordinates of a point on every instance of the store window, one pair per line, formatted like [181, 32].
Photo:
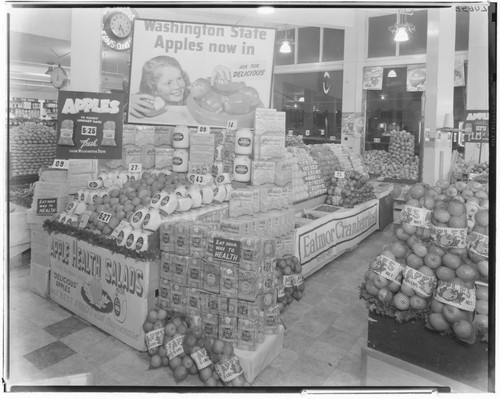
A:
[462, 31]
[380, 39]
[312, 102]
[417, 44]
[284, 58]
[333, 44]
[308, 45]
[392, 108]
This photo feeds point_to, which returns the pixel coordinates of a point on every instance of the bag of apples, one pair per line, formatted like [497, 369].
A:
[416, 213]
[384, 274]
[227, 364]
[289, 280]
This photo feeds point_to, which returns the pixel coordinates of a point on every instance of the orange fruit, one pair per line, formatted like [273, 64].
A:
[407, 290]
[482, 217]
[417, 303]
[466, 272]
[428, 202]
[369, 275]
[387, 253]
[228, 349]
[371, 289]
[481, 321]
[455, 208]
[187, 362]
[441, 215]
[419, 249]
[482, 292]
[438, 323]
[451, 260]
[398, 249]
[401, 234]
[420, 232]
[452, 314]
[414, 261]
[408, 228]
[458, 222]
[393, 286]
[401, 301]
[436, 250]
[175, 362]
[417, 191]
[436, 306]
[411, 241]
[460, 186]
[459, 251]
[162, 351]
[432, 260]
[180, 373]
[444, 273]
[482, 268]
[427, 271]
[384, 295]
[480, 229]
[218, 346]
[462, 329]
[155, 361]
[379, 281]
[413, 202]
[482, 306]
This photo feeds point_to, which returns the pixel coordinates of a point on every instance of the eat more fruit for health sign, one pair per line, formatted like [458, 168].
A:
[107, 289]
[319, 242]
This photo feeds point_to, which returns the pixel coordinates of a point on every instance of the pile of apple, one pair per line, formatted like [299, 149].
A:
[353, 190]
[326, 160]
[399, 162]
[181, 344]
[294, 141]
[290, 281]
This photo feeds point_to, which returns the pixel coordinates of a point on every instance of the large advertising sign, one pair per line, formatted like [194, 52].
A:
[185, 73]
[107, 289]
[89, 125]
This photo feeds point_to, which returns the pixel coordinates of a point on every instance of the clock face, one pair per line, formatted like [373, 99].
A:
[58, 78]
[117, 27]
[120, 25]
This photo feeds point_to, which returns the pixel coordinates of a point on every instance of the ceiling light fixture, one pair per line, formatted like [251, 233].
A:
[402, 27]
[392, 74]
[285, 47]
[265, 10]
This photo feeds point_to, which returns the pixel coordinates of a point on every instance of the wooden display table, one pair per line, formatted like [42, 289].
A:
[409, 354]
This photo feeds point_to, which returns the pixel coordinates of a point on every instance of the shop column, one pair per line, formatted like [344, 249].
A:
[352, 88]
[477, 79]
[86, 49]
[438, 93]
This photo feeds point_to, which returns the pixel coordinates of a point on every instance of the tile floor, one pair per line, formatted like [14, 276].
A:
[324, 335]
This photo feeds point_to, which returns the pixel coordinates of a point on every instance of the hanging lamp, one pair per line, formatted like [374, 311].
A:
[402, 26]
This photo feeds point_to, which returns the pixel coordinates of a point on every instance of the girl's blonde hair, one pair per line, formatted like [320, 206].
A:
[150, 75]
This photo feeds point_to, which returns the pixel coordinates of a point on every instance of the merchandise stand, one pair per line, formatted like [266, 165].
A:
[318, 242]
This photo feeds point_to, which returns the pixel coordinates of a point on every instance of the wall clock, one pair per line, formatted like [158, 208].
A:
[117, 25]
[58, 77]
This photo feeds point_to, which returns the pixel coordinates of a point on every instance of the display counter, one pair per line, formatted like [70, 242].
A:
[318, 242]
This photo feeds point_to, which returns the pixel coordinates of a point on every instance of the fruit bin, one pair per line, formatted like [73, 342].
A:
[442, 355]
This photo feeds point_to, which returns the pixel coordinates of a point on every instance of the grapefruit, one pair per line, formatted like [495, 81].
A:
[452, 314]
[417, 303]
[407, 290]
[482, 217]
[438, 323]
[444, 273]
[401, 301]
[455, 208]
[436, 306]
[417, 191]
[451, 260]
[466, 272]
[414, 261]
[462, 329]
[432, 260]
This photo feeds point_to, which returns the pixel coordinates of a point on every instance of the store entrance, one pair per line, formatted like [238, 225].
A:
[392, 109]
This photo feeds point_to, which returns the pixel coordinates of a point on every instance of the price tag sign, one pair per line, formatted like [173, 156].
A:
[46, 206]
[231, 124]
[332, 138]
[339, 174]
[104, 217]
[84, 219]
[290, 132]
[60, 164]
[308, 132]
[203, 129]
[135, 167]
[89, 131]
[376, 140]
[322, 132]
